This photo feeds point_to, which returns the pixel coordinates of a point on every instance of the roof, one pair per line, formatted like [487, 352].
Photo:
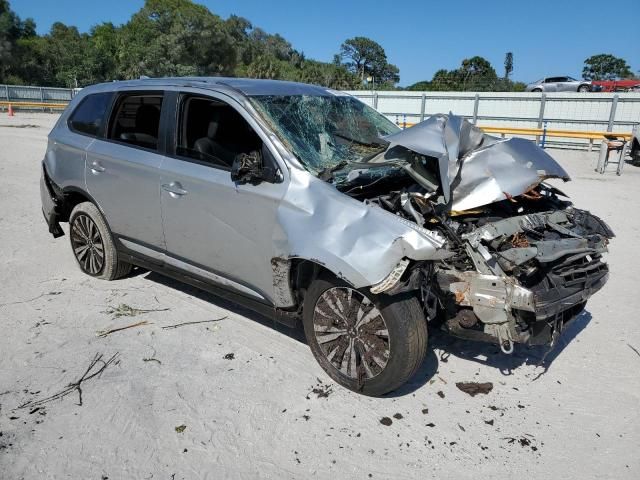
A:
[248, 86]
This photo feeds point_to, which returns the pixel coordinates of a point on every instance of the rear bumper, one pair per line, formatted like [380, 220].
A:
[50, 205]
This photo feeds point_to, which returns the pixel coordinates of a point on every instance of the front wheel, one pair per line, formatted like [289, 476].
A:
[367, 343]
[584, 88]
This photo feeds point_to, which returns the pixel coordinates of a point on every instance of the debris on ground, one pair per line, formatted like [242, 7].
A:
[229, 356]
[440, 393]
[474, 388]
[178, 325]
[398, 416]
[386, 421]
[180, 428]
[104, 333]
[321, 390]
[124, 310]
[89, 373]
[522, 441]
[152, 360]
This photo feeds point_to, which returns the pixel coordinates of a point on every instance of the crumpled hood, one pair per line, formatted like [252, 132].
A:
[475, 168]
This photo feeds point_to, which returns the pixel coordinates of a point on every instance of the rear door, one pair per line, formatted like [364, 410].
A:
[214, 228]
[551, 84]
[566, 84]
[122, 171]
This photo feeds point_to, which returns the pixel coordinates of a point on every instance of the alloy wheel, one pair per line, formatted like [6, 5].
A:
[87, 244]
[351, 333]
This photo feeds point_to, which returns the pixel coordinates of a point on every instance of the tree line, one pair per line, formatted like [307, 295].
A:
[182, 38]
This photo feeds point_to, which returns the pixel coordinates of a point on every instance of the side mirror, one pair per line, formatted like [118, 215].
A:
[250, 168]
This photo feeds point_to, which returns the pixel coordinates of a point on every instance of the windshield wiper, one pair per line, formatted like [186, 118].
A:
[326, 174]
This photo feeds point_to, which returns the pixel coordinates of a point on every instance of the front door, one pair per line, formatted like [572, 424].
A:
[213, 227]
[123, 173]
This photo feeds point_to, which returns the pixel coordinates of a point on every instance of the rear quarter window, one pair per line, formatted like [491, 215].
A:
[89, 117]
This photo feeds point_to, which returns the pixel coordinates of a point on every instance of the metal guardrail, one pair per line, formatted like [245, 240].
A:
[545, 132]
[25, 93]
[32, 105]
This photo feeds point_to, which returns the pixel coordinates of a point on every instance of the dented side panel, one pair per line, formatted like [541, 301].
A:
[358, 242]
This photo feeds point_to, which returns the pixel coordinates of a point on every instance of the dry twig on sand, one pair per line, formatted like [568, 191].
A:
[192, 323]
[104, 333]
[124, 310]
[89, 373]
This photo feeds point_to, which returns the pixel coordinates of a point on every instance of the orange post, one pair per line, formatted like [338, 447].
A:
[10, 110]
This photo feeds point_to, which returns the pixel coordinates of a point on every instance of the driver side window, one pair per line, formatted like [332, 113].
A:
[212, 132]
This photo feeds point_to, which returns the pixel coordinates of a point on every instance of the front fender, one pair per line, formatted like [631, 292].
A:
[360, 243]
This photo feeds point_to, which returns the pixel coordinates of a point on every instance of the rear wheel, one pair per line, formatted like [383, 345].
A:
[584, 88]
[366, 343]
[92, 244]
[536, 90]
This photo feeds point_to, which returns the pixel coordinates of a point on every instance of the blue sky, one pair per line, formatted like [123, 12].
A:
[420, 36]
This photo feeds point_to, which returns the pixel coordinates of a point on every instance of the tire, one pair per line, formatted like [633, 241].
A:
[92, 244]
[379, 366]
[584, 88]
[537, 90]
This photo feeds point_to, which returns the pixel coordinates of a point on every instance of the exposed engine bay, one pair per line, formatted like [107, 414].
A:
[522, 259]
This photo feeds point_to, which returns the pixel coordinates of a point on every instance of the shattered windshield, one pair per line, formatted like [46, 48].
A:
[326, 132]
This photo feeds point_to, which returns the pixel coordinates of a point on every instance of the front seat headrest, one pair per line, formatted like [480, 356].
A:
[212, 129]
[147, 119]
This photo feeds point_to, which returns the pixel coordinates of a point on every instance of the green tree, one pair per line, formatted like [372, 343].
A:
[605, 67]
[175, 37]
[365, 57]
[477, 74]
[12, 30]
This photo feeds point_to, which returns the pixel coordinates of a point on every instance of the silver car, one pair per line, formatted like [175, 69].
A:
[307, 205]
[559, 84]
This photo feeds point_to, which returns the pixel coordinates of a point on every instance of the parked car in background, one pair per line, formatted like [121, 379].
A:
[559, 84]
[626, 85]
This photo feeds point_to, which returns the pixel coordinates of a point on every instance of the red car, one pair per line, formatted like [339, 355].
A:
[617, 85]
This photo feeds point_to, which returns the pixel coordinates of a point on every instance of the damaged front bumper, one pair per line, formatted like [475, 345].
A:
[495, 310]
[528, 293]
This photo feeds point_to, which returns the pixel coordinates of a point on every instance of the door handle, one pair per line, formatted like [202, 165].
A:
[96, 168]
[175, 189]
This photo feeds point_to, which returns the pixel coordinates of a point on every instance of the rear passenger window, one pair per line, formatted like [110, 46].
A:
[88, 117]
[136, 120]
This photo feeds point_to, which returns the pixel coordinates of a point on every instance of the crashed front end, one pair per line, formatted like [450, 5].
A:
[521, 279]
[522, 260]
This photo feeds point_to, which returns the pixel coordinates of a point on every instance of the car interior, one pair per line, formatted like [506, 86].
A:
[137, 120]
[212, 131]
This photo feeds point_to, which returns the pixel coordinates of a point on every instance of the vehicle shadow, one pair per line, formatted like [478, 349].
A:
[294, 333]
[441, 344]
[491, 356]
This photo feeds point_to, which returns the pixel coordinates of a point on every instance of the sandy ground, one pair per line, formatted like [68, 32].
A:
[175, 404]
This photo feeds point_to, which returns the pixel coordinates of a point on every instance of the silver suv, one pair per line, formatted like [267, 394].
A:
[307, 205]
